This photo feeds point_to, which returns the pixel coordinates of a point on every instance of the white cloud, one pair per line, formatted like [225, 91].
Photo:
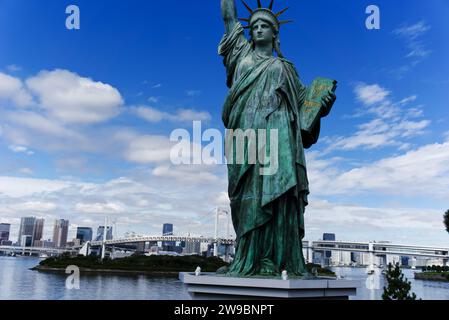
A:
[361, 223]
[13, 68]
[189, 115]
[422, 172]
[415, 112]
[378, 134]
[391, 124]
[144, 203]
[186, 174]
[22, 187]
[153, 100]
[141, 203]
[33, 206]
[446, 136]
[66, 100]
[408, 100]
[381, 217]
[371, 94]
[148, 149]
[74, 99]
[411, 34]
[12, 89]
[223, 199]
[41, 124]
[182, 115]
[26, 171]
[417, 51]
[151, 114]
[411, 128]
[17, 149]
[107, 208]
[193, 93]
[21, 149]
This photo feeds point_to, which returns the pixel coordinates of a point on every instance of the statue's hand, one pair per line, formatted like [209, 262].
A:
[327, 103]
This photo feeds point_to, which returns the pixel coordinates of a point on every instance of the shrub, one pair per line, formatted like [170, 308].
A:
[398, 287]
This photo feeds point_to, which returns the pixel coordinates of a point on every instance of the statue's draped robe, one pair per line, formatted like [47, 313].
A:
[267, 210]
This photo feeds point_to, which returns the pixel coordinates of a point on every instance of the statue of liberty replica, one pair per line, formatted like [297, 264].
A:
[266, 93]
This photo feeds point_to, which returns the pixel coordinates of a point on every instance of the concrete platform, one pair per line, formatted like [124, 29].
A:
[210, 286]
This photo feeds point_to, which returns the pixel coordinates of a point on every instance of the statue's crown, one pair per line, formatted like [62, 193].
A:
[265, 14]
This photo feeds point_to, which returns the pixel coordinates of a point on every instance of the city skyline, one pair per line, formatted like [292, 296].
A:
[167, 230]
[379, 173]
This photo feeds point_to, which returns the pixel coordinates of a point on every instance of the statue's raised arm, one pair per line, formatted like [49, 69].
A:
[229, 13]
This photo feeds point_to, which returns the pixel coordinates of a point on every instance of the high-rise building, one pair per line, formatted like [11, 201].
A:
[405, 261]
[329, 237]
[60, 233]
[100, 233]
[26, 229]
[38, 230]
[167, 229]
[26, 241]
[43, 244]
[84, 234]
[192, 247]
[328, 254]
[4, 231]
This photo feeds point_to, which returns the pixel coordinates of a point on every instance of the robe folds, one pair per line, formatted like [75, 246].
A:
[267, 210]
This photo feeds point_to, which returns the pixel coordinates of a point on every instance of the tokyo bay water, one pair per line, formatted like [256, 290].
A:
[17, 282]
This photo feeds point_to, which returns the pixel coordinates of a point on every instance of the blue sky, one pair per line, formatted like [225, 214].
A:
[86, 114]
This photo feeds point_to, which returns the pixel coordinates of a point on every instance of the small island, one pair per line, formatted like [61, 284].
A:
[153, 265]
[434, 273]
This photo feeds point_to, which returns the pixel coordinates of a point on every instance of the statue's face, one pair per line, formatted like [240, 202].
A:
[262, 32]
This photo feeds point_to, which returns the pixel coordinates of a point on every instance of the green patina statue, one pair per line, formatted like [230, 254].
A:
[266, 93]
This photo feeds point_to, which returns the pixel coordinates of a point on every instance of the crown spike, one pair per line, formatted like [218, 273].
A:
[282, 11]
[244, 19]
[285, 22]
[259, 4]
[271, 5]
[247, 7]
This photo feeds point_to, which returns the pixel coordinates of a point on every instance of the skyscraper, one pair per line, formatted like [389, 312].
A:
[100, 233]
[26, 241]
[84, 234]
[4, 231]
[328, 254]
[38, 230]
[167, 229]
[60, 233]
[192, 247]
[26, 229]
[329, 236]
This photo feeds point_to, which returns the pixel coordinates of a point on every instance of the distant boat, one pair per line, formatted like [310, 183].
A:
[370, 272]
[43, 256]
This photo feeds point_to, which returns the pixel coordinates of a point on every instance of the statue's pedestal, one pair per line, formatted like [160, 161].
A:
[209, 286]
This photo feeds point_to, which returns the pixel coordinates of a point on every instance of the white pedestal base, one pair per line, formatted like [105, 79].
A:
[213, 287]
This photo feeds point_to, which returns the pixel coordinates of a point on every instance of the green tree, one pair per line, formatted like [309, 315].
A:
[446, 220]
[398, 287]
